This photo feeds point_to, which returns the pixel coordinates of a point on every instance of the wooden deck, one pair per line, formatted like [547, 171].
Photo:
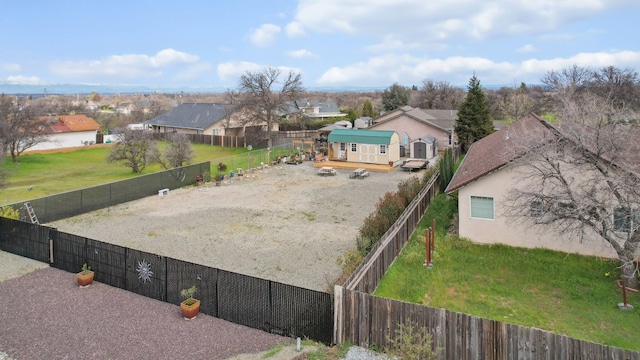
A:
[353, 166]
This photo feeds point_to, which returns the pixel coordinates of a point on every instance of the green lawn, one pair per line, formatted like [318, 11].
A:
[37, 175]
[559, 292]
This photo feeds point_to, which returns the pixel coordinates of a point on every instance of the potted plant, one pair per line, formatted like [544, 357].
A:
[218, 179]
[85, 277]
[190, 307]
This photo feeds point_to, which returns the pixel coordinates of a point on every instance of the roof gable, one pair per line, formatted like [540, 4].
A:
[495, 151]
[360, 136]
[442, 119]
[192, 116]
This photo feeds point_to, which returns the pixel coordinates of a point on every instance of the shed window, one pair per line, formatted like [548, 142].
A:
[343, 146]
[354, 147]
[383, 149]
[482, 207]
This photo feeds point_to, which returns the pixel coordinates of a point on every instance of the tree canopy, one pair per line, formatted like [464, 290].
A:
[474, 118]
[136, 151]
[267, 94]
[581, 178]
[396, 96]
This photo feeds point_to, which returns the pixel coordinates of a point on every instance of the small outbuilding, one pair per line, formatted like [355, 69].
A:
[364, 146]
[425, 147]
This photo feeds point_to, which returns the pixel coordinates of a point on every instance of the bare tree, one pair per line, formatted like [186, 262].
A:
[516, 103]
[261, 95]
[581, 177]
[179, 151]
[438, 95]
[20, 127]
[136, 151]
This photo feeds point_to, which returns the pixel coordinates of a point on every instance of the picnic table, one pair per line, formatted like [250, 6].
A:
[359, 174]
[327, 171]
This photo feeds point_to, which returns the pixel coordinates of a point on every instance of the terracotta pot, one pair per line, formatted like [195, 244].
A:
[190, 311]
[84, 278]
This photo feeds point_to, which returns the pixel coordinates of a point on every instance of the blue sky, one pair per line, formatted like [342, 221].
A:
[332, 43]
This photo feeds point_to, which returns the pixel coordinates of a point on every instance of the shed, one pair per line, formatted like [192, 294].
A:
[364, 146]
[425, 147]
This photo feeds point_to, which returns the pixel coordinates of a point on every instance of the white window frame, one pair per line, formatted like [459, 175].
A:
[383, 149]
[473, 213]
[354, 147]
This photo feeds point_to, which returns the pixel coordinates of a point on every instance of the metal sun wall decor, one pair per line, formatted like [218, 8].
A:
[144, 271]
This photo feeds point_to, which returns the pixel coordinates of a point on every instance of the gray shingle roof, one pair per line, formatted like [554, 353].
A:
[192, 116]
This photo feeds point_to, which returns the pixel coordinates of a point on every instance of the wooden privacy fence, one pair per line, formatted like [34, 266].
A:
[366, 320]
[373, 267]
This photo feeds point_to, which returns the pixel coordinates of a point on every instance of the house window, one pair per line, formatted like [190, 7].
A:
[536, 209]
[450, 138]
[383, 149]
[354, 147]
[625, 220]
[482, 207]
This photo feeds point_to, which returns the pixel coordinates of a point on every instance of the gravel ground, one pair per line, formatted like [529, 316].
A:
[283, 223]
[45, 315]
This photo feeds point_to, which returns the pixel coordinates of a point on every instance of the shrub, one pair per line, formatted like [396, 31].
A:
[409, 189]
[9, 212]
[411, 342]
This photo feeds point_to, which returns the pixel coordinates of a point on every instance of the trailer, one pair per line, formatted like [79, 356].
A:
[414, 164]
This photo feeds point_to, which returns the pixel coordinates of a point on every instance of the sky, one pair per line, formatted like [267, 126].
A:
[337, 44]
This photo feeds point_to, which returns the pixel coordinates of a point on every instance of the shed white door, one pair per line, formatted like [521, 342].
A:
[368, 153]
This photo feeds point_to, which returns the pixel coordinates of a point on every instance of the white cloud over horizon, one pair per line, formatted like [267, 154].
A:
[331, 42]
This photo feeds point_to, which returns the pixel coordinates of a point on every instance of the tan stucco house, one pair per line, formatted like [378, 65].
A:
[482, 183]
[364, 146]
[412, 124]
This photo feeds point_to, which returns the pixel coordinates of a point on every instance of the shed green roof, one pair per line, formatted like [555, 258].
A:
[361, 136]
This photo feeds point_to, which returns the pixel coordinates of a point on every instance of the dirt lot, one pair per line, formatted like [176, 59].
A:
[283, 223]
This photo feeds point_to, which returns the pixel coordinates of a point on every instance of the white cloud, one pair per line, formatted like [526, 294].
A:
[294, 29]
[28, 80]
[410, 21]
[264, 35]
[124, 67]
[10, 67]
[231, 71]
[192, 72]
[527, 48]
[409, 70]
[302, 53]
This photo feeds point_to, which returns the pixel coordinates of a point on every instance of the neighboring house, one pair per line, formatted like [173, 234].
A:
[201, 118]
[412, 124]
[483, 181]
[313, 109]
[364, 146]
[67, 131]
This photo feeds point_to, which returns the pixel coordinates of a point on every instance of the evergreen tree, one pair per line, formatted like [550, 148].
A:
[396, 96]
[474, 117]
[446, 167]
[367, 109]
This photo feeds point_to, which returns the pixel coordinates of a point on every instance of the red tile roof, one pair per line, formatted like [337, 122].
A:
[69, 123]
